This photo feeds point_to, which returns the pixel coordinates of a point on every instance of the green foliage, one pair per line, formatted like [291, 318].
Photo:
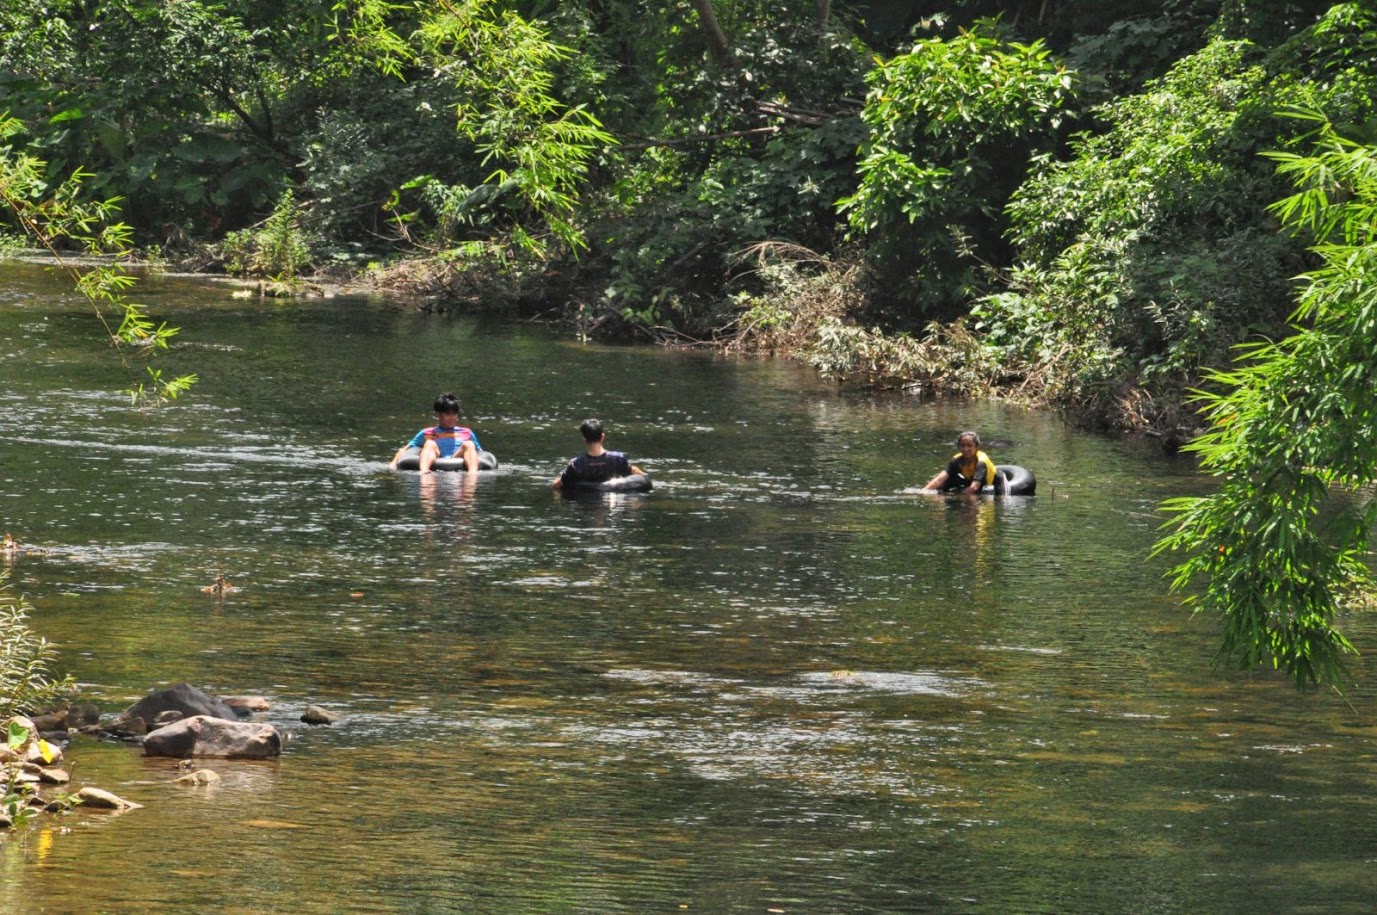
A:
[750, 150]
[171, 105]
[1150, 252]
[1171, 155]
[953, 126]
[1292, 425]
[360, 151]
[58, 215]
[26, 679]
[496, 71]
[278, 250]
[668, 250]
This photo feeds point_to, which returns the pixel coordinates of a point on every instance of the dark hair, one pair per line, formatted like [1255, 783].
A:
[975, 438]
[446, 403]
[591, 429]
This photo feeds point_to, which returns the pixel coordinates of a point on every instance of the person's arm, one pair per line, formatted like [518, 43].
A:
[982, 473]
[938, 481]
[636, 470]
[415, 442]
[567, 476]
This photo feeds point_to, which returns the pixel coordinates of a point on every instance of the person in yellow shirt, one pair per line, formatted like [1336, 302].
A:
[970, 469]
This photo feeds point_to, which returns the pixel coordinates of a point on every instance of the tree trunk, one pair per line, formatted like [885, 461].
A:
[717, 39]
[824, 14]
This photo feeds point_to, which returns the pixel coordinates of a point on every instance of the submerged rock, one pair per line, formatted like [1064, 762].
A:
[199, 777]
[203, 735]
[99, 799]
[314, 714]
[129, 727]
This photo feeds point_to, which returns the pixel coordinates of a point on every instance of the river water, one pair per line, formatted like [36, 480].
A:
[775, 684]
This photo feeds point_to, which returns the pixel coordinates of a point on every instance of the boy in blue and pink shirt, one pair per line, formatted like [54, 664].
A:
[446, 439]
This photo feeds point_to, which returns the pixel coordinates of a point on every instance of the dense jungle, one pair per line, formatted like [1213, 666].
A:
[1059, 201]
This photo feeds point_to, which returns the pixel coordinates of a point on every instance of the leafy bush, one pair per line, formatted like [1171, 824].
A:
[953, 126]
[804, 311]
[1150, 252]
[1292, 424]
[278, 250]
[26, 680]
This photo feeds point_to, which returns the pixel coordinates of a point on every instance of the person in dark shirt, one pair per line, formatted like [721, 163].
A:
[597, 464]
[970, 469]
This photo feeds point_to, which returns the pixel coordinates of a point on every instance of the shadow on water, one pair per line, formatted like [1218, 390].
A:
[777, 682]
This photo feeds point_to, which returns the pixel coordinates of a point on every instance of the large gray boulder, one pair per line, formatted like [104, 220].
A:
[202, 735]
[183, 698]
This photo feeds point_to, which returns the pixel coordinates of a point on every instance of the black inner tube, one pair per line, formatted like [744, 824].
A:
[412, 461]
[636, 482]
[1013, 480]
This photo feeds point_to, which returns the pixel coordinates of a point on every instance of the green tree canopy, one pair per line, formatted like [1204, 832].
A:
[953, 125]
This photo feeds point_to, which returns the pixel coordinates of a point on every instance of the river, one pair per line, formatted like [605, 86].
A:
[777, 683]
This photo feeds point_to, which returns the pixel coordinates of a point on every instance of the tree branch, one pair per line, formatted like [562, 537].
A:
[717, 39]
[706, 138]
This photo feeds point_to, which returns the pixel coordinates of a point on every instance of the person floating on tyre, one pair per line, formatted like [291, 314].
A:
[970, 469]
[445, 439]
[597, 464]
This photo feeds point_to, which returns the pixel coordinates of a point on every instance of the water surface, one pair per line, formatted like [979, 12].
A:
[776, 683]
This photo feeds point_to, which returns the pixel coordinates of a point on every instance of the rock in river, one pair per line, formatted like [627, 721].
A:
[202, 735]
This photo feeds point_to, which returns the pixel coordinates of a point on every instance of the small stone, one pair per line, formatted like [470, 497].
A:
[167, 717]
[199, 777]
[314, 714]
[99, 799]
[133, 726]
[54, 776]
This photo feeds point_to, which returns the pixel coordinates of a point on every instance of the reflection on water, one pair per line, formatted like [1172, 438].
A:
[777, 682]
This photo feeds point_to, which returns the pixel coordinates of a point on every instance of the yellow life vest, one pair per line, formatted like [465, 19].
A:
[968, 467]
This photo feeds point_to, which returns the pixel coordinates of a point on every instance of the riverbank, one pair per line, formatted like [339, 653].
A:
[795, 305]
[789, 304]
